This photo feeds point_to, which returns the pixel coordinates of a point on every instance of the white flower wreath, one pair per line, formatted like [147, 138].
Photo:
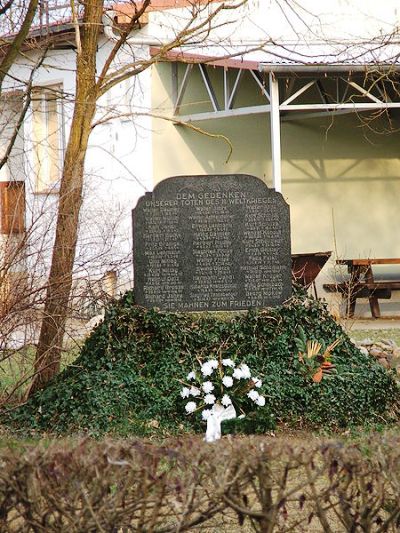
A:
[216, 389]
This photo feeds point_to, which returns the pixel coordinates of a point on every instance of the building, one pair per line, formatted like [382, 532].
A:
[303, 98]
[314, 112]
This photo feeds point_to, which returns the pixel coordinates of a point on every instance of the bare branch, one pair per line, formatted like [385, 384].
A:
[15, 46]
[23, 112]
[5, 7]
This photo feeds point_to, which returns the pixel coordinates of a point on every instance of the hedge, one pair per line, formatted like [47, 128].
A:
[266, 485]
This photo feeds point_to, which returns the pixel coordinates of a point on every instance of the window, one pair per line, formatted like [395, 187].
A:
[48, 137]
[11, 105]
[12, 186]
[12, 207]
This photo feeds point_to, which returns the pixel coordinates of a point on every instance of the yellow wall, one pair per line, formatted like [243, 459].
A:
[332, 170]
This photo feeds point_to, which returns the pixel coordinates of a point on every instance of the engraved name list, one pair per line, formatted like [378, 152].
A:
[211, 243]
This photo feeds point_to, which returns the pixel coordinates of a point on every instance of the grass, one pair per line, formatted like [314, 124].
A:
[16, 368]
[376, 334]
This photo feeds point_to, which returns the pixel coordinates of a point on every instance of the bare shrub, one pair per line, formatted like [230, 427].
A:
[261, 483]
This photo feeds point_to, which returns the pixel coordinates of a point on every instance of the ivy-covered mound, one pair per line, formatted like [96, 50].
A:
[128, 376]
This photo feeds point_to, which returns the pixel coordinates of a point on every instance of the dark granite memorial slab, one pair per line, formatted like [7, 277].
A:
[215, 242]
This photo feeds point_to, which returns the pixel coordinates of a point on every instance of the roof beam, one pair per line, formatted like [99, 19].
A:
[228, 113]
[335, 107]
[286, 108]
[322, 92]
[182, 88]
[364, 92]
[209, 87]
[226, 89]
[385, 96]
[260, 84]
[234, 89]
[316, 110]
[287, 117]
[299, 92]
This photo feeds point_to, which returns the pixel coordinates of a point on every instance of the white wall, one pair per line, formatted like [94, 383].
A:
[118, 166]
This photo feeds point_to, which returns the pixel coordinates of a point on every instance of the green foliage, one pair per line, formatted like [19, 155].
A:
[126, 379]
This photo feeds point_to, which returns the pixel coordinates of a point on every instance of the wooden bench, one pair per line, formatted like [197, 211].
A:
[363, 285]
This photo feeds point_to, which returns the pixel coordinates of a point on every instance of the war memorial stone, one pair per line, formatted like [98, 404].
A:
[214, 242]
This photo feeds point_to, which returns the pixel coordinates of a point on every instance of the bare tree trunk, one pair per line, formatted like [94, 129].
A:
[48, 355]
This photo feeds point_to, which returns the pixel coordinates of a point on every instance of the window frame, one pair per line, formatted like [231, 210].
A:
[43, 181]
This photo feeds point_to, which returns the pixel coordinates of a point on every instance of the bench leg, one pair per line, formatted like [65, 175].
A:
[351, 305]
[374, 305]
[355, 273]
[373, 300]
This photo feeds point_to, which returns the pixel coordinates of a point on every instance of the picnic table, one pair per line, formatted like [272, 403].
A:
[362, 283]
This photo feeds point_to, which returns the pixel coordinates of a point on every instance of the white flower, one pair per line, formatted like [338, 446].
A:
[191, 376]
[257, 382]
[206, 369]
[207, 387]
[190, 407]
[185, 392]
[213, 363]
[228, 362]
[260, 401]
[226, 400]
[227, 381]
[209, 399]
[253, 395]
[194, 391]
[246, 374]
[206, 414]
[237, 373]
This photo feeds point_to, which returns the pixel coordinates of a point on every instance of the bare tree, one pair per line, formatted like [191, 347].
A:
[90, 86]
